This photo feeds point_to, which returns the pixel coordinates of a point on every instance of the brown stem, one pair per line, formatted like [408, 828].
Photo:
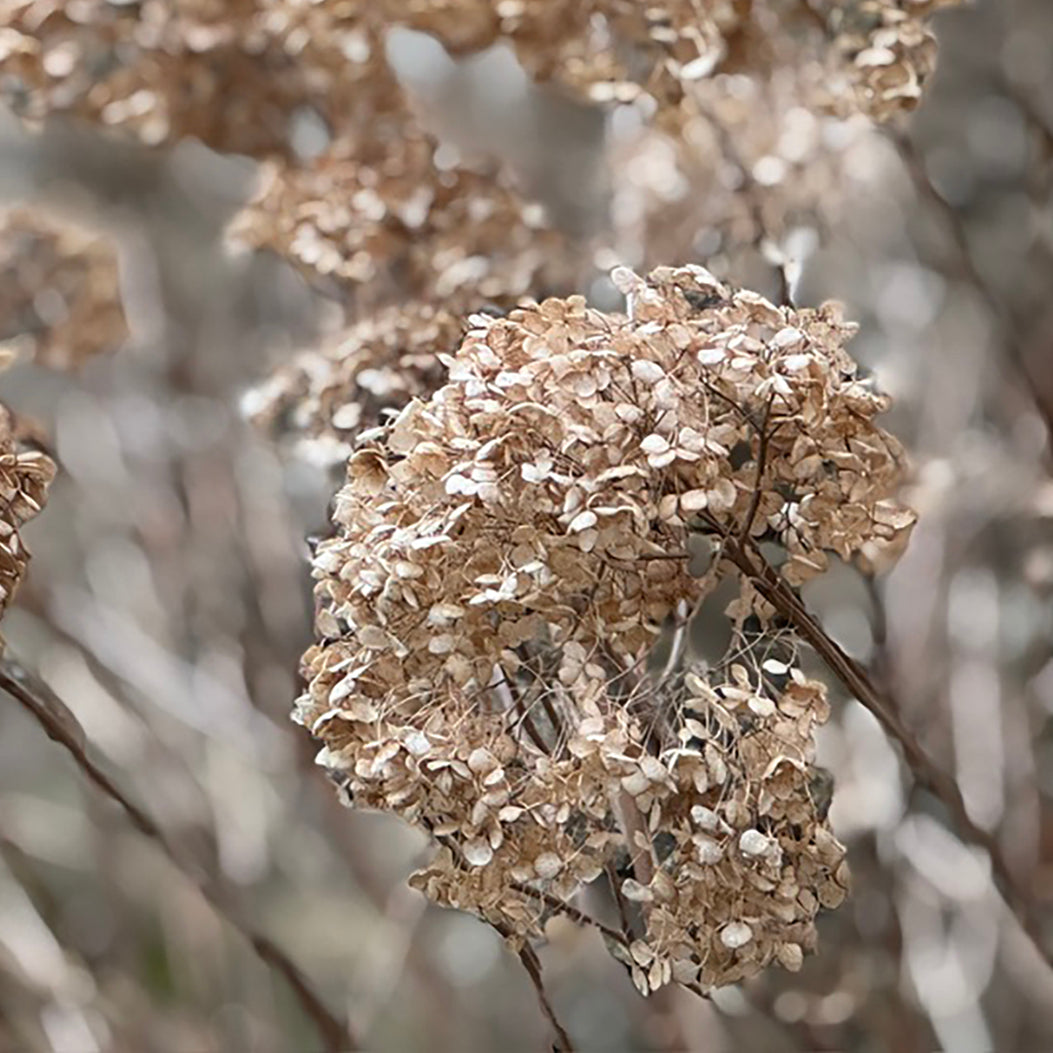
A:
[762, 462]
[532, 964]
[60, 725]
[561, 907]
[524, 712]
[619, 899]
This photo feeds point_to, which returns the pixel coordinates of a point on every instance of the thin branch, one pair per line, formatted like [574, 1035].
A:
[968, 272]
[60, 725]
[560, 907]
[532, 964]
[762, 462]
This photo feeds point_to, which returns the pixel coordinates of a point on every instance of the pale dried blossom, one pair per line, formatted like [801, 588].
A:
[59, 289]
[869, 56]
[889, 48]
[505, 556]
[233, 73]
[752, 169]
[25, 474]
[382, 221]
[326, 395]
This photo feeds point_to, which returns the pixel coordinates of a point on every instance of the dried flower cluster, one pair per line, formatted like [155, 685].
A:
[59, 289]
[741, 87]
[751, 100]
[889, 49]
[748, 170]
[233, 73]
[169, 69]
[755, 154]
[524, 515]
[505, 557]
[25, 474]
[874, 55]
[380, 221]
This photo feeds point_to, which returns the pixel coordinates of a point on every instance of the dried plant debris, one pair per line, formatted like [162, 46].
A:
[25, 474]
[505, 556]
[888, 48]
[59, 289]
[356, 380]
[381, 221]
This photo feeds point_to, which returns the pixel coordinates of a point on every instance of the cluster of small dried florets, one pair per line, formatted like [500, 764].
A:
[750, 145]
[757, 151]
[741, 87]
[233, 73]
[506, 554]
[379, 221]
[25, 474]
[751, 167]
[59, 289]
[326, 396]
[873, 55]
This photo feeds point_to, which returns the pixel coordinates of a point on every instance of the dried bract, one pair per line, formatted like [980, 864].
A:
[59, 289]
[889, 48]
[505, 557]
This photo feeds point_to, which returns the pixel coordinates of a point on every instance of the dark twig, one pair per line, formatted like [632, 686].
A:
[762, 462]
[532, 964]
[967, 270]
[579, 916]
[58, 721]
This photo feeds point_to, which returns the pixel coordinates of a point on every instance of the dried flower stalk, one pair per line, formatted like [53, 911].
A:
[62, 726]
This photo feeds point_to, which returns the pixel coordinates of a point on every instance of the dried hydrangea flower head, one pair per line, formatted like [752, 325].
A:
[232, 73]
[759, 150]
[59, 289]
[166, 68]
[25, 474]
[874, 54]
[741, 176]
[889, 49]
[355, 380]
[378, 221]
[506, 554]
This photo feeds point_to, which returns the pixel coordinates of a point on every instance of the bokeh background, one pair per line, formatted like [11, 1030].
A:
[169, 602]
